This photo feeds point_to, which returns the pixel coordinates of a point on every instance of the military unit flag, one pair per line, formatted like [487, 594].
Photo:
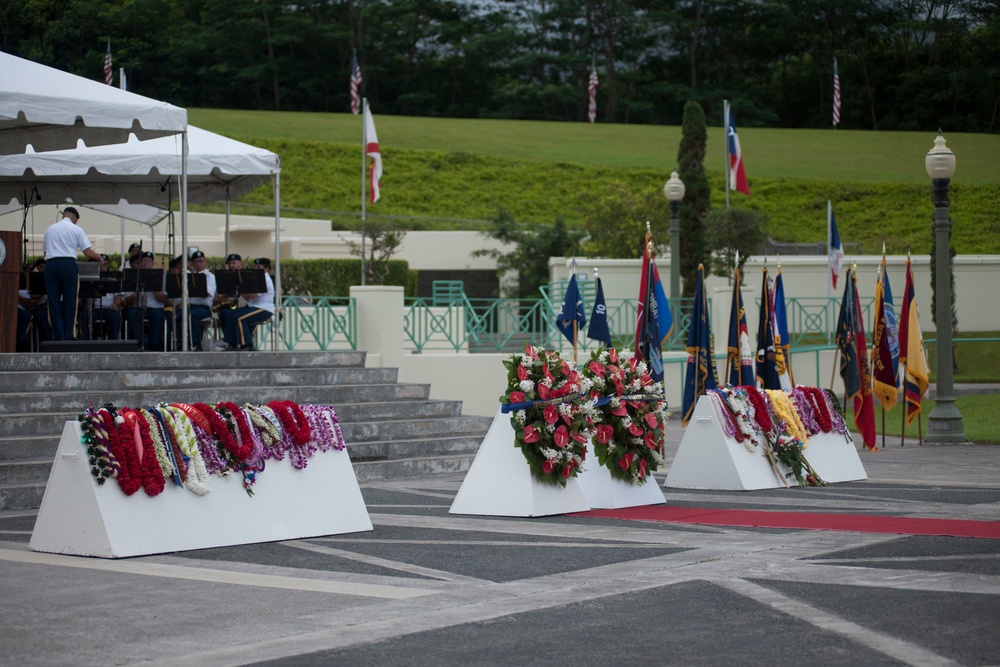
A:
[701, 374]
[599, 329]
[571, 317]
[782, 343]
[653, 319]
[854, 365]
[911, 351]
[766, 360]
[739, 361]
[884, 384]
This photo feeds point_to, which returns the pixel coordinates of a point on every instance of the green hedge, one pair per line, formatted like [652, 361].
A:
[334, 277]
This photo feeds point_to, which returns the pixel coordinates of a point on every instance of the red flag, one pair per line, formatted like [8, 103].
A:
[864, 406]
[355, 86]
[737, 175]
[643, 291]
[372, 151]
[884, 384]
[108, 69]
[592, 93]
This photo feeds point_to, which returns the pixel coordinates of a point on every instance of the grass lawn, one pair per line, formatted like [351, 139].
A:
[979, 417]
[853, 155]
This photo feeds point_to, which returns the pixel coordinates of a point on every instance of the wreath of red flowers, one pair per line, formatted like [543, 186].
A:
[221, 431]
[129, 474]
[820, 409]
[152, 475]
[234, 413]
[761, 413]
[293, 420]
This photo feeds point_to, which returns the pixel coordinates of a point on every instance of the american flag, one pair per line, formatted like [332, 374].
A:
[592, 92]
[355, 86]
[836, 94]
[108, 69]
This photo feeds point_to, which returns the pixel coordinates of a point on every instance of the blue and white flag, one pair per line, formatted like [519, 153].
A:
[599, 329]
[572, 311]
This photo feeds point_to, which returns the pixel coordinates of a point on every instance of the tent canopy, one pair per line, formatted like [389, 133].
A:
[51, 109]
[140, 172]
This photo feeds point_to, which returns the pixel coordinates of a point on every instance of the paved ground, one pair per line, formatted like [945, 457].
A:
[429, 588]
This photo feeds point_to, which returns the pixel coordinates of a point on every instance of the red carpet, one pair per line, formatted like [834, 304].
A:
[857, 523]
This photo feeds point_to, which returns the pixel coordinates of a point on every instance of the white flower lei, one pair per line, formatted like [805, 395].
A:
[158, 445]
[744, 417]
[198, 479]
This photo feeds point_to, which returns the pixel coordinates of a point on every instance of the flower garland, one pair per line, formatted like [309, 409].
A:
[787, 413]
[325, 425]
[725, 414]
[630, 414]
[160, 447]
[805, 411]
[837, 414]
[220, 430]
[198, 480]
[129, 474]
[95, 437]
[761, 414]
[816, 400]
[153, 482]
[743, 411]
[293, 420]
[551, 428]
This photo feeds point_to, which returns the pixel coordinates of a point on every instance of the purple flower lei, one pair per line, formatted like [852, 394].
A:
[325, 427]
[209, 452]
[722, 413]
[805, 409]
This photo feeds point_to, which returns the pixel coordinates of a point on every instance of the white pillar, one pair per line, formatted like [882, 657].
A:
[380, 324]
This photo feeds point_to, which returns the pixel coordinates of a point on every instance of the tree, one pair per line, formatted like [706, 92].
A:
[691, 161]
[526, 268]
[735, 230]
[382, 242]
[616, 221]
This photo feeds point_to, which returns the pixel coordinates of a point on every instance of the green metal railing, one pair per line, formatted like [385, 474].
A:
[313, 323]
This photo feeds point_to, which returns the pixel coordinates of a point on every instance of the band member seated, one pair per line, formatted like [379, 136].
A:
[108, 308]
[233, 263]
[199, 307]
[133, 257]
[32, 309]
[149, 305]
[238, 324]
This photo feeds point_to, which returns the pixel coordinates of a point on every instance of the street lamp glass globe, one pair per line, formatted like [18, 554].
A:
[940, 161]
[674, 188]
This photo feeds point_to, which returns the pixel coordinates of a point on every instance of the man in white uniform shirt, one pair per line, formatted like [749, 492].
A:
[238, 325]
[62, 277]
[200, 307]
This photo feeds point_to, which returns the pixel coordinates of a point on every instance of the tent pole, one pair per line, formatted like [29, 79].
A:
[276, 318]
[185, 306]
[228, 199]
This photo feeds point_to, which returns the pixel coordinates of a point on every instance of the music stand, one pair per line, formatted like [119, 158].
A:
[244, 281]
[143, 280]
[36, 284]
[197, 285]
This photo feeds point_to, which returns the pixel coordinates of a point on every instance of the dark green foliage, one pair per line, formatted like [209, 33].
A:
[526, 268]
[735, 229]
[334, 277]
[691, 161]
[615, 219]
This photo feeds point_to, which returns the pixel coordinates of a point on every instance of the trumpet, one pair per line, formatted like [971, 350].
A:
[232, 302]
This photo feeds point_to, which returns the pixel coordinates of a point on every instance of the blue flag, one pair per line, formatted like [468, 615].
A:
[572, 311]
[648, 344]
[701, 374]
[847, 343]
[599, 319]
[766, 361]
[781, 324]
[740, 359]
[892, 326]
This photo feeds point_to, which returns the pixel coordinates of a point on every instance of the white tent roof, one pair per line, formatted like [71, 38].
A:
[51, 109]
[141, 213]
[140, 172]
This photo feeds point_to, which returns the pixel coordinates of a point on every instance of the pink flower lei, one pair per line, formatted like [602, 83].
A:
[325, 427]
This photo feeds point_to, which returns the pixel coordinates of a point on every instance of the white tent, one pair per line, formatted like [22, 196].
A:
[51, 109]
[146, 172]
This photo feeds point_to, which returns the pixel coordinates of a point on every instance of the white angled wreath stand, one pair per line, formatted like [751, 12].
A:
[80, 517]
[709, 459]
[500, 483]
[604, 491]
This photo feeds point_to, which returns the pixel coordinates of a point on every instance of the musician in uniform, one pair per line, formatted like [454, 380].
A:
[149, 305]
[233, 263]
[108, 308]
[200, 308]
[30, 309]
[238, 324]
[133, 257]
[62, 276]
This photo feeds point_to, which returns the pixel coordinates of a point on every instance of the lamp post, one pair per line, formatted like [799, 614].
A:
[674, 191]
[944, 425]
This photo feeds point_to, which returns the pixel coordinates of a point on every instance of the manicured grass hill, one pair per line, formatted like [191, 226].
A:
[466, 169]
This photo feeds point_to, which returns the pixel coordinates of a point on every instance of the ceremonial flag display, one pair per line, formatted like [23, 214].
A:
[864, 406]
[700, 375]
[884, 383]
[847, 344]
[891, 322]
[766, 361]
[592, 95]
[782, 343]
[836, 94]
[834, 249]
[355, 86]
[599, 329]
[372, 151]
[653, 319]
[108, 68]
[740, 358]
[737, 175]
[571, 317]
[911, 351]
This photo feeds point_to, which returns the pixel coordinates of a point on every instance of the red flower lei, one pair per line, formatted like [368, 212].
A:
[245, 443]
[761, 414]
[152, 475]
[295, 423]
[124, 453]
[221, 431]
[820, 409]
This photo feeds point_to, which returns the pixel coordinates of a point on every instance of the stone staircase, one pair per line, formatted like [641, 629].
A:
[392, 430]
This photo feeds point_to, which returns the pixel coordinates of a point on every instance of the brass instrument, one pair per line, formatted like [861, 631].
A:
[232, 302]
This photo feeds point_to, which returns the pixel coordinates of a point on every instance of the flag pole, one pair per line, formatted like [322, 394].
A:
[364, 169]
[902, 433]
[829, 288]
[725, 145]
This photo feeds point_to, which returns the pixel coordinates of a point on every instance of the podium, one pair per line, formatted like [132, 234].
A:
[11, 264]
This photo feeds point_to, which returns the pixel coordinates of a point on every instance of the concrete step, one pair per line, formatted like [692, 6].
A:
[21, 496]
[128, 361]
[145, 378]
[423, 466]
[394, 450]
[391, 429]
[26, 471]
[74, 402]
